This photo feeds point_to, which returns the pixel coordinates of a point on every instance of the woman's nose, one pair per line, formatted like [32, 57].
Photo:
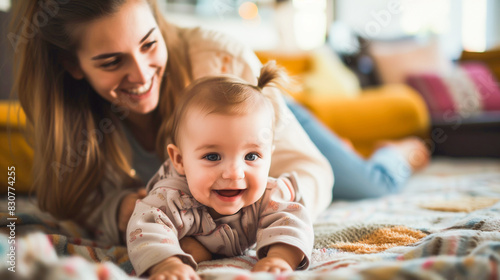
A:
[139, 71]
[233, 171]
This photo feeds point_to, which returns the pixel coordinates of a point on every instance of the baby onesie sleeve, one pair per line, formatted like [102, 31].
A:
[284, 221]
[154, 228]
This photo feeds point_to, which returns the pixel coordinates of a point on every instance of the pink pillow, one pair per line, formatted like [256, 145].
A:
[396, 60]
[486, 84]
[468, 89]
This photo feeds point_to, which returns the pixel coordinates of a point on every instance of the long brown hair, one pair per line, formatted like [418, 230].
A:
[79, 146]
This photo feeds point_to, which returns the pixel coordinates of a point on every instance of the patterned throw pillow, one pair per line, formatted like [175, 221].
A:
[469, 89]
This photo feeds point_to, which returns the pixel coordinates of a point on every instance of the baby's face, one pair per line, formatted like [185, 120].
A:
[226, 158]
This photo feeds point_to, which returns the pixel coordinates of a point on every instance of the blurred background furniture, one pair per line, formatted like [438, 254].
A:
[364, 116]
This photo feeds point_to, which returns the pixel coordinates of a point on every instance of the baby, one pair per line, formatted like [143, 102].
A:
[215, 186]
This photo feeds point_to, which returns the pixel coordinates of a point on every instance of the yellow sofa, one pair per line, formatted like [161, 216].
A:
[364, 117]
[14, 150]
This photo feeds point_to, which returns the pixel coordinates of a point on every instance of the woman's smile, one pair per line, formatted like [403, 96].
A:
[140, 93]
[140, 90]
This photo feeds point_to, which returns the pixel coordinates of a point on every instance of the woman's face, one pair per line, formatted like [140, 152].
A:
[123, 56]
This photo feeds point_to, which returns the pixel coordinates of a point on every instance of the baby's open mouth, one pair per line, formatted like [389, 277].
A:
[229, 193]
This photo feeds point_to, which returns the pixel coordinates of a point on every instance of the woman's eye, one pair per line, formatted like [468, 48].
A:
[251, 156]
[212, 157]
[147, 46]
[111, 63]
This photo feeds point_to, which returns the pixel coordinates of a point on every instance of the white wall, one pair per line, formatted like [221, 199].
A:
[493, 24]
[368, 16]
[260, 35]
[4, 5]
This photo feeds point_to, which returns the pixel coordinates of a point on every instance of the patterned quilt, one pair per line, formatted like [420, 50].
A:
[444, 225]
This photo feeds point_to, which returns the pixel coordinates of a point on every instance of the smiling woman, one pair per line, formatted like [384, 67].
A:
[121, 62]
[111, 69]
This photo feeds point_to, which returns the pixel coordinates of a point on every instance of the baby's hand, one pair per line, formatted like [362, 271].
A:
[274, 265]
[280, 258]
[172, 268]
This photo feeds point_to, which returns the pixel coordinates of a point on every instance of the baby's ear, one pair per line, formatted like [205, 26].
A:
[73, 69]
[175, 156]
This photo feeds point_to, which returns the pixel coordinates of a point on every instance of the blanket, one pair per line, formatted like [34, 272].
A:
[445, 224]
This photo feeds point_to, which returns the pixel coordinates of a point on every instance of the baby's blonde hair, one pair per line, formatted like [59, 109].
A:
[227, 95]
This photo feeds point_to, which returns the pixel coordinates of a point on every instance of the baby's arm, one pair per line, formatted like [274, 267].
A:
[285, 235]
[172, 268]
[153, 231]
[280, 258]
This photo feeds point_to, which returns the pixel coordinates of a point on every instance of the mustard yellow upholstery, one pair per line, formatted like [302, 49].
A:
[295, 63]
[489, 57]
[14, 150]
[386, 112]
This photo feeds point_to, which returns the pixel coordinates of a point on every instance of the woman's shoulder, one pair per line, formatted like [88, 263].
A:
[213, 52]
[206, 40]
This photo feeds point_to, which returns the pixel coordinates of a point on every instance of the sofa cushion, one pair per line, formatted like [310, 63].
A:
[318, 72]
[329, 76]
[469, 89]
[14, 150]
[395, 60]
[386, 112]
[486, 84]
[490, 58]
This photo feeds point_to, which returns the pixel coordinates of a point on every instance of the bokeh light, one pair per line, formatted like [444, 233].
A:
[248, 10]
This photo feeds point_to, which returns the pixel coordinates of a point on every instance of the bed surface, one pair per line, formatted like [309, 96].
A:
[444, 225]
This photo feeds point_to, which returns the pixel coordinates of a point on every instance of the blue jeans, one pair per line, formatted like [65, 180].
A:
[355, 178]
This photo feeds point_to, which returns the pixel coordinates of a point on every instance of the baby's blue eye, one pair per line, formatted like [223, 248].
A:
[212, 157]
[251, 156]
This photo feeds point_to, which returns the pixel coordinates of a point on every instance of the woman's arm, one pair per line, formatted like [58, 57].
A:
[296, 152]
[103, 220]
